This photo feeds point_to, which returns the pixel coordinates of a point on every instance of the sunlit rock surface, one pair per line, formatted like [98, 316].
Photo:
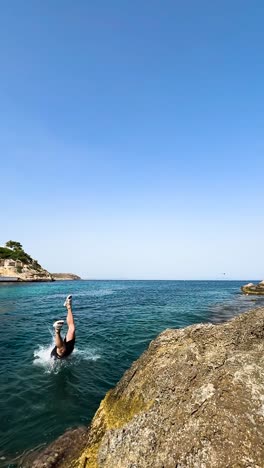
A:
[195, 399]
[65, 277]
[251, 288]
[16, 270]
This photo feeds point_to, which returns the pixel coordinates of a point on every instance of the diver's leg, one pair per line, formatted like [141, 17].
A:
[61, 348]
[70, 320]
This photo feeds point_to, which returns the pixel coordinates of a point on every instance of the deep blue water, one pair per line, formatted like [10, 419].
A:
[115, 322]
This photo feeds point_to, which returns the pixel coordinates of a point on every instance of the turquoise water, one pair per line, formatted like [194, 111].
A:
[115, 321]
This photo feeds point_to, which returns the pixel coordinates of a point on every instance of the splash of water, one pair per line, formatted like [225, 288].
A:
[43, 359]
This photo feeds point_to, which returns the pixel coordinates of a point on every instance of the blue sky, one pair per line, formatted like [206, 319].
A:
[131, 136]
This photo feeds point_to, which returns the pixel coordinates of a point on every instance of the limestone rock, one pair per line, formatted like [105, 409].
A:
[17, 270]
[194, 399]
[17, 265]
[250, 288]
[62, 451]
[65, 277]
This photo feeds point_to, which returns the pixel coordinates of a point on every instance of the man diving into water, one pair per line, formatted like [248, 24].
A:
[64, 347]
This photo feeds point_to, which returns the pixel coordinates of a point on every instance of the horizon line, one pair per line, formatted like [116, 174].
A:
[157, 279]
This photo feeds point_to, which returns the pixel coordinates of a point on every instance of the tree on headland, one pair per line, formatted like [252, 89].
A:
[14, 250]
[14, 245]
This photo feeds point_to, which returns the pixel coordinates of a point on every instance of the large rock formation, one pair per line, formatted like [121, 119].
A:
[17, 265]
[250, 288]
[195, 399]
[65, 277]
[21, 271]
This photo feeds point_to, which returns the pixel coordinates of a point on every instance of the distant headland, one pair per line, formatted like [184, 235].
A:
[17, 265]
[65, 276]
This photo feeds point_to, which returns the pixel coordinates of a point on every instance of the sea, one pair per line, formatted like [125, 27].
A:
[115, 321]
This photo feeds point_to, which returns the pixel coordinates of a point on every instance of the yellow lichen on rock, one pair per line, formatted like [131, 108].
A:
[119, 412]
[113, 413]
[88, 458]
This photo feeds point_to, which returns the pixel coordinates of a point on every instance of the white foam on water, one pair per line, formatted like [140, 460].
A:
[43, 359]
[42, 354]
[86, 354]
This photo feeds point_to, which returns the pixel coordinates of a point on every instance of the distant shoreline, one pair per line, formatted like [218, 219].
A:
[17, 280]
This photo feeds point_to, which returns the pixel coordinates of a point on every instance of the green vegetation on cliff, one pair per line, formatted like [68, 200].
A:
[14, 251]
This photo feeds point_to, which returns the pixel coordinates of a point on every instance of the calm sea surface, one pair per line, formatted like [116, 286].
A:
[115, 322]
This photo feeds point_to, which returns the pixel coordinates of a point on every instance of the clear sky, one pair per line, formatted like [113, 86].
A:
[131, 136]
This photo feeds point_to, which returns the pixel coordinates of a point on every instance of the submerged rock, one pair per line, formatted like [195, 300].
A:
[195, 398]
[250, 288]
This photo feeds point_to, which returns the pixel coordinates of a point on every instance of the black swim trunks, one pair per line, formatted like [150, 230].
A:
[69, 349]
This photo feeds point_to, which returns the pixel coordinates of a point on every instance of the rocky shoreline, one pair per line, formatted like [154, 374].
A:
[195, 398]
[16, 270]
[17, 265]
[255, 289]
[13, 272]
[65, 277]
